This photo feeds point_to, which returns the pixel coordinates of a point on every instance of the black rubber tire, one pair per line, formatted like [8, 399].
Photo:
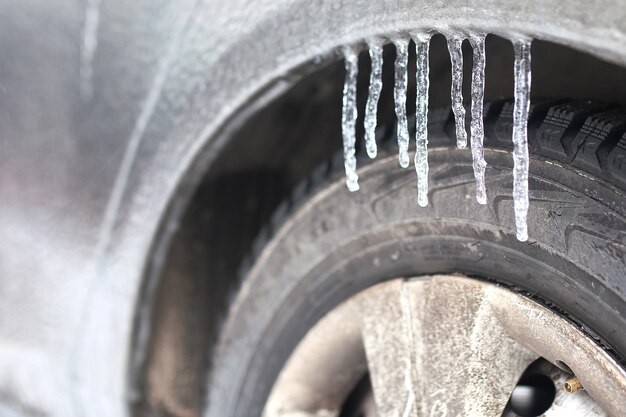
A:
[326, 244]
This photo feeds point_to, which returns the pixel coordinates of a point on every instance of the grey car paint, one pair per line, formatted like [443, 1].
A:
[109, 109]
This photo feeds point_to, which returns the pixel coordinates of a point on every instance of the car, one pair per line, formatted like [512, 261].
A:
[211, 208]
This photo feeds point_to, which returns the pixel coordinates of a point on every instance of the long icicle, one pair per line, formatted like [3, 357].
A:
[456, 58]
[376, 84]
[520, 136]
[477, 129]
[400, 87]
[422, 42]
[348, 117]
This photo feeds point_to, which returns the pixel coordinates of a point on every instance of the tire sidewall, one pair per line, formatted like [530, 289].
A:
[333, 244]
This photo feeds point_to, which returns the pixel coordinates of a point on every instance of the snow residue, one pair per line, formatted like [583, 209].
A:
[88, 48]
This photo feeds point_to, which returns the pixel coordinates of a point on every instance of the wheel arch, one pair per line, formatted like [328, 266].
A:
[189, 126]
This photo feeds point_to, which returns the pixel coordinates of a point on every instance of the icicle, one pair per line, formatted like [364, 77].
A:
[348, 118]
[422, 42]
[520, 135]
[402, 58]
[477, 130]
[376, 84]
[456, 58]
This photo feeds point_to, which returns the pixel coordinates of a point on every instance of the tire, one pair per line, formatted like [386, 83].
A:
[325, 244]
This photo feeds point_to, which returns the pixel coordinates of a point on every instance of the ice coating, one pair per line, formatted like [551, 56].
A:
[520, 135]
[456, 58]
[522, 78]
[348, 117]
[477, 130]
[399, 93]
[376, 84]
[422, 42]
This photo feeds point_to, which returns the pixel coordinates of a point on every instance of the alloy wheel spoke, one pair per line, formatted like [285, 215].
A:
[435, 348]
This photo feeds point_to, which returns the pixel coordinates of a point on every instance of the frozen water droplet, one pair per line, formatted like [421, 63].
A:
[422, 42]
[520, 135]
[348, 117]
[400, 85]
[456, 58]
[477, 130]
[376, 83]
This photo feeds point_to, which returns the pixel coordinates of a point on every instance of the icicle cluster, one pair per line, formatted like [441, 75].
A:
[456, 59]
[376, 84]
[477, 130]
[399, 94]
[422, 44]
[455, 41]
[348, 118]
[520, 135]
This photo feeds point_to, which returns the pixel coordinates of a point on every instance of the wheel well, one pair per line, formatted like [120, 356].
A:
[262, 163]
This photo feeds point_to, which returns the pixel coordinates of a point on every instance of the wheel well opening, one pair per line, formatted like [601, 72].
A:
[262, 163]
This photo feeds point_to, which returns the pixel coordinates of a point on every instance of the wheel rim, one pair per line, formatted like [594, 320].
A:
[443, 345]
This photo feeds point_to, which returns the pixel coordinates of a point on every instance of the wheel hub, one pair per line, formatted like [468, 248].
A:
[445, 345]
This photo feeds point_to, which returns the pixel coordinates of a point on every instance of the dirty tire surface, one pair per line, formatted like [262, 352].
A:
[324, 244]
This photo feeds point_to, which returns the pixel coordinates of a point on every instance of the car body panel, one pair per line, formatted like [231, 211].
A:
[109, 111]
